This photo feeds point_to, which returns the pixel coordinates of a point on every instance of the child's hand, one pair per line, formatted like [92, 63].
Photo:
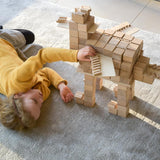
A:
[85, 53]
[65, 93]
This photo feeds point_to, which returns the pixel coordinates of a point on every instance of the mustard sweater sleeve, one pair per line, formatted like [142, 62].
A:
[27, 70]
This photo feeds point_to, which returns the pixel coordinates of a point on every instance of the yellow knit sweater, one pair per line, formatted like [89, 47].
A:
[17, 76]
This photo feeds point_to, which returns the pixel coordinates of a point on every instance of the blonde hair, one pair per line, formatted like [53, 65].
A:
[13, 116]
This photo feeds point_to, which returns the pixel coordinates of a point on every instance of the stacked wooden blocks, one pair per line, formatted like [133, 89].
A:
[126, 52]
[79, 26]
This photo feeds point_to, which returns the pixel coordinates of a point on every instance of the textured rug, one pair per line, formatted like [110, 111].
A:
[72, 131]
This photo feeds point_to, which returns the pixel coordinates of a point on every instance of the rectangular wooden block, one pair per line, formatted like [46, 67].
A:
[79, 96]
[112, 107]
[109, 32]
[74, 46]
[126, 66]
[117, 63]
[123, 111]
[84, 35]
[148, 78]
[85, 27]
[144, 59]
[73, 33]
[74, 40]
[140, 67]
[114, 41]
[133, 46]
[73, 25]
[82, 41]
[118, 34]
[99, 83]
[108, 50]
[129, 56]
[118, 54]
[128, 37]
[79, 17]
[89, 104]
[123, 44]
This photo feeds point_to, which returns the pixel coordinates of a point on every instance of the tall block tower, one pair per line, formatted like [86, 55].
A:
[79, 26]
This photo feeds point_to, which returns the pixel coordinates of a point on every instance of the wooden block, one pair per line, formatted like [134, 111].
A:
[123, 44]
[131, 90]
[79, 96]
[138, 76]
[114, 41]
[133, 46]
[108, 49]
[122, 100]
[91, 42]
[112, 107]
[85, 9]
[62, 20]
[79, 17]
[137, 41]
[129, 55]
[126, 66]
[82, 41]
[74, 40]
[104, 39]
[144, 59]
[118, 34]
[100, 31]
[140, 67]
[99, 83]
[74, 46]
[115, 90]
[109, 32]
[117, 63]
[128, 37]
[89, 77]
[83, 35]
[123, 111]
[85, 27]
[73, 25]
[73, 33]
[118, 54]
[89, 104]
[124, 75]
[148, 78]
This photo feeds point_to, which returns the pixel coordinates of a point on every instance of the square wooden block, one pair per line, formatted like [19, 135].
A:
[133, 46]
[129, 55]
[123, 44]
[118, 53]
[118, 34]
[73, 25]
[128, 37]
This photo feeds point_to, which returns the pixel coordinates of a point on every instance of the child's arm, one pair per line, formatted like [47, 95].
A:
[27, 70]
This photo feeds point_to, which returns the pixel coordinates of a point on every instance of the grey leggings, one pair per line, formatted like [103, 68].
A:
[18, 40]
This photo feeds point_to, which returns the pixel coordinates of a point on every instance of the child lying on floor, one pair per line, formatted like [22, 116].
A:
[26, 83]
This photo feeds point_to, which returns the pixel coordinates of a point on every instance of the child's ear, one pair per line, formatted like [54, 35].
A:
[17, 95]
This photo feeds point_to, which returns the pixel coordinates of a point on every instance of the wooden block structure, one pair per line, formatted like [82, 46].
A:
[79, 25]
[126, 52]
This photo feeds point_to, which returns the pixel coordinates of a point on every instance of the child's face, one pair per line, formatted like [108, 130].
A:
[32, 101]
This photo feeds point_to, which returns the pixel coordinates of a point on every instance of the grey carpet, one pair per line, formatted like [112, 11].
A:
[72, 131]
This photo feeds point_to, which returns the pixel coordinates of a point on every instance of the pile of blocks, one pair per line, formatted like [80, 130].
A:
[79, 26]
[126, 52]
